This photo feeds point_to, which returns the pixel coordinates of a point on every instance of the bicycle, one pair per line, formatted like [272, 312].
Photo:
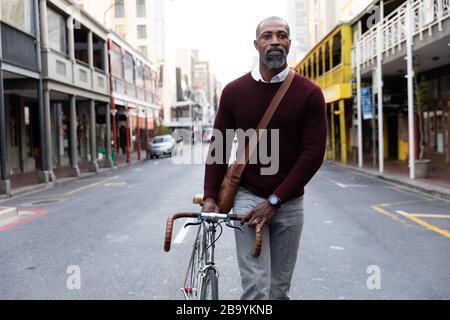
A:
[201, 281]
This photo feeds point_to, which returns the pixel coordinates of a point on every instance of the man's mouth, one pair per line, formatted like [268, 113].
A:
[275, 52]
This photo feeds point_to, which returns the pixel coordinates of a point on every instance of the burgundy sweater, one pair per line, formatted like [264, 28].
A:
[302, 123]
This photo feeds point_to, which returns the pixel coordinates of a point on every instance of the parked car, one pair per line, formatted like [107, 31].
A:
[161, 145]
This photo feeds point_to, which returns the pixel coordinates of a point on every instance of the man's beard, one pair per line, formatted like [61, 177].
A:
[275, 61]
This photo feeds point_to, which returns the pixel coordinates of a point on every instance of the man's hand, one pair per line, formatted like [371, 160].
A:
[210, 205]
[259, 215]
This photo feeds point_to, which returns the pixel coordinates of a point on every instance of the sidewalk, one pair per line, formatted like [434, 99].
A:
[438, 182]
[28, 182]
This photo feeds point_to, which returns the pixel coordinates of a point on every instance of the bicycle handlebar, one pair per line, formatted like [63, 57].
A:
[220, 216]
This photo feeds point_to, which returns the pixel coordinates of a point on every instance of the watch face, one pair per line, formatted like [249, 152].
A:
[273, 200]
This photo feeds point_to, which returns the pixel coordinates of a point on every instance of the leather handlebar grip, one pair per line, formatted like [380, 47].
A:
[258, 243]
[169, 227]
[168, 236]
[198, 199]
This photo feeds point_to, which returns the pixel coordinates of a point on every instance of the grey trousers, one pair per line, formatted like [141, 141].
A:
[269, 276]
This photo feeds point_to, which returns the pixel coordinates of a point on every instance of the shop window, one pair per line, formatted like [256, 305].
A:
[129, 74]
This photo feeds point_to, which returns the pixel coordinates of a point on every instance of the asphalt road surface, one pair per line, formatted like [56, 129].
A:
[102, 238]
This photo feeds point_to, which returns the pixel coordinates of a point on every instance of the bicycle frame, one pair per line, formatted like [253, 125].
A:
[202, 273]
[203, 250]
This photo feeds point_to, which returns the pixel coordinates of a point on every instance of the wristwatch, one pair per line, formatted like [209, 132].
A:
[274, 201]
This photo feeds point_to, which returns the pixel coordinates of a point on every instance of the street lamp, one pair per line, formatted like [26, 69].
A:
[107, 9]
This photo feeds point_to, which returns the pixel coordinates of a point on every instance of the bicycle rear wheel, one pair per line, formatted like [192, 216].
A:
[192, 281]
[210, 286]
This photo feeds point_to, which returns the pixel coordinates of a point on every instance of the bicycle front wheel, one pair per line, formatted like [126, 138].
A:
[210, 286]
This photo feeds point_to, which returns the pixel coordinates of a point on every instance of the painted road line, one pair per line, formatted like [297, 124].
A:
[433, 216]
[336, 248]
[89, 186]
[21, 219]
[387, 213]
[423, 223]
[183, 232]
[344, 185]
[405, 202]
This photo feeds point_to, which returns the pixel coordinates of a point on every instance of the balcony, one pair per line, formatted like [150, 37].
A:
[62, 69]
[428, 16]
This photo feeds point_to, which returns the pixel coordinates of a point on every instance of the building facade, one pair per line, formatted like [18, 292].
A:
[67, 85]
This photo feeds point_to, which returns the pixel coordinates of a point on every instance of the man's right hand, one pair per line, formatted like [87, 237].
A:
[210, 205]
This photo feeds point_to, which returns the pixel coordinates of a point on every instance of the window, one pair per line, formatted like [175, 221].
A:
[314, 67]
[309, 69]
[140, 8]
[129, 74]
[116, 61]
[120, 30]
[19, 14]
[337, 49]
[327, 57]
[139, 75]
[119, 9]
[142, 31]
[99, 52]
[320, 62]
[57, 31]
[81, 52]
[143, 50]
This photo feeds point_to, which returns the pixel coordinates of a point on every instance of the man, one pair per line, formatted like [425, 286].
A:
[273, 203]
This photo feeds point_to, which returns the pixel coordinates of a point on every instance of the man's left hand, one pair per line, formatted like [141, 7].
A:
[259, 215]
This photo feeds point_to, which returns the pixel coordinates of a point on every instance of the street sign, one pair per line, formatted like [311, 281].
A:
[366, 102]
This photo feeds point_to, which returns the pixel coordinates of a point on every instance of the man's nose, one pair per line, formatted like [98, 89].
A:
[274, 41]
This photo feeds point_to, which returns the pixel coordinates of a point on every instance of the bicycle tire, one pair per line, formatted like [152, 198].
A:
[211, 282]
[191, 285]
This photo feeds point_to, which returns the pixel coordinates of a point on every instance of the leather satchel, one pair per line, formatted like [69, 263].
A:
[232, 178]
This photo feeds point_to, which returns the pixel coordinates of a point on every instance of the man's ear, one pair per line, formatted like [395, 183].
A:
[255, 44]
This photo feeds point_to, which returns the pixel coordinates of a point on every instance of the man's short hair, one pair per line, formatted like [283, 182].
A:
[272, 18]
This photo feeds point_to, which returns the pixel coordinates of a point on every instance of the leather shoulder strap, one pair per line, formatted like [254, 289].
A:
[250, 147]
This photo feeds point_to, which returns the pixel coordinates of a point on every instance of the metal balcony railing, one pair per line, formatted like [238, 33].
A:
[426, 14]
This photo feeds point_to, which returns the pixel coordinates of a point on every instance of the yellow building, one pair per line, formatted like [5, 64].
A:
[329, 65]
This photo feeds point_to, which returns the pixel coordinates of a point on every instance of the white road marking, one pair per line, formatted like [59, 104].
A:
[336, 248]
[402, 213]
[183, 232]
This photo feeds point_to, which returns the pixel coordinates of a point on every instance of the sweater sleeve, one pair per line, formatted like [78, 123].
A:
[313, 133]
[220, 147]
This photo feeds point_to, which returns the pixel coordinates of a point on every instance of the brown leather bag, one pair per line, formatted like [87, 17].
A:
[231, 180]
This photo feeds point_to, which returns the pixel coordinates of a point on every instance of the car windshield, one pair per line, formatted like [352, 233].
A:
[161, 139]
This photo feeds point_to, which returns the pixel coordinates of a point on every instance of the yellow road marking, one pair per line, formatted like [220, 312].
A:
[88, 186]
[404, 202]
[425, 224]
[434, 216]
[386, 213]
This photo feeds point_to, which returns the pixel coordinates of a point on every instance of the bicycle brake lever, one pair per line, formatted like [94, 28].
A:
[192, 224]
[234, 227]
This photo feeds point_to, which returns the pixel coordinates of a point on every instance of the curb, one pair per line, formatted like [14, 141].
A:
[413, 184]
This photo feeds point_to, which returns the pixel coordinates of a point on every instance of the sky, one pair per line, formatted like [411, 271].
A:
[222, 30]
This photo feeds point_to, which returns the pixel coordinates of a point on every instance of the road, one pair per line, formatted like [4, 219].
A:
[363, 238]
